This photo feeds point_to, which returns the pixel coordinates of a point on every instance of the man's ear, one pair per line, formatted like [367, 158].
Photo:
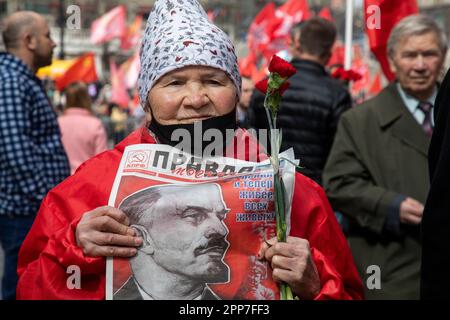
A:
[392, 65]
[31, 41]
[142, 232]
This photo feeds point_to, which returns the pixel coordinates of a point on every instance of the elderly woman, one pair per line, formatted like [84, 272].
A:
[189, 74]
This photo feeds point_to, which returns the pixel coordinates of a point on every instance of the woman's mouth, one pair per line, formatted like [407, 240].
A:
[195, 118]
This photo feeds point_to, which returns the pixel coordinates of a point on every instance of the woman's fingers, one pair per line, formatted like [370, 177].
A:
[112, 212]
[108, 224]
[282, 262]
[105, 232]
[282, 275]
[110, 251]
[292, 248]
[112, 239]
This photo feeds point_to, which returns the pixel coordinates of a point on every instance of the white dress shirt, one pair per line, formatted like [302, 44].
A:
[413, 104]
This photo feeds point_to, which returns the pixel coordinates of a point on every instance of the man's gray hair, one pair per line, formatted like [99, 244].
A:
[137, 204]
[413, 26]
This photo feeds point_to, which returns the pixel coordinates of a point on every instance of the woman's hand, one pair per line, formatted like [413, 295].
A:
[292, 263]
[104, 232]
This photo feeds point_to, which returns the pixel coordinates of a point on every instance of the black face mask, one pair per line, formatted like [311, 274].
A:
[221, 123]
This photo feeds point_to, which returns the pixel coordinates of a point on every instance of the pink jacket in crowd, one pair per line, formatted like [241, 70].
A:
[83, 136]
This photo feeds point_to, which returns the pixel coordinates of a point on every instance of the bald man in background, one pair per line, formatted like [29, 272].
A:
[32, 157]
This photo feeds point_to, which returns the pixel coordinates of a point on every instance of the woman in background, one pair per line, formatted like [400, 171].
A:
[83, 135]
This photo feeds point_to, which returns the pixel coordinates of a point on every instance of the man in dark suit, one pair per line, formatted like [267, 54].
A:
[377, 170]
[435, 282]
[183, 242]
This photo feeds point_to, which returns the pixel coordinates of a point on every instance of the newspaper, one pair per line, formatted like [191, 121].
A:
[202, 222]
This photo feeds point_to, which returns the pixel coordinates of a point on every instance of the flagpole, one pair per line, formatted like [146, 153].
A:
[348, 34]
[61, 25]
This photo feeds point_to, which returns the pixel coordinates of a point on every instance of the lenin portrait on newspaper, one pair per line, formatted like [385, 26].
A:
[184, 241]
[202, 222]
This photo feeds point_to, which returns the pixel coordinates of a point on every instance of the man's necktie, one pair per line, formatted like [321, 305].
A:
[426, 108]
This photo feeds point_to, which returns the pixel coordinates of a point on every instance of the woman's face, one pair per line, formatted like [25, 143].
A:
[192, 94]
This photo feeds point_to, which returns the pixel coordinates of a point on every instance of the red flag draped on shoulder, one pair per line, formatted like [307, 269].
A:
[109, 26]
[391, 12]
[83, 69]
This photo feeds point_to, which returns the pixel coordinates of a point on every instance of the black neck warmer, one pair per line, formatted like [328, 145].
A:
[221, 123]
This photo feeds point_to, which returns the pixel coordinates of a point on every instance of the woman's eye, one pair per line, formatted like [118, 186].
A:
[175, 83]
[213, 82]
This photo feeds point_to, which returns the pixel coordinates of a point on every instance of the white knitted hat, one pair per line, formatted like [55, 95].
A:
[179, 34]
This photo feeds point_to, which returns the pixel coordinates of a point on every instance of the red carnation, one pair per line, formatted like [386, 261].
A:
[282, 67]
[284, 87]
[354, 76]
[262, 85]
[346, 75]
[338, 73]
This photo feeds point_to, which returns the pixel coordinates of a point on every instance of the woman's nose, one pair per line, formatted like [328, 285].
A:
[196, 97]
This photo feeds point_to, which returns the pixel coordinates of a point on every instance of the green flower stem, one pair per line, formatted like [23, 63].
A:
[271, 103]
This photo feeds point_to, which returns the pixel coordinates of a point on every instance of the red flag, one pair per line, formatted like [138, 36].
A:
[337, 55]
[391, 13]
[247, 65]
[131, 38]
[83, 69]
[130, 70]
[211, 16]
[258, 35]
[326, 14]
[259, 75]
[290, 13]
[119, 92]
[360, 67]
[286, 16]
[135, 101]
[109, 26]
[375, 87]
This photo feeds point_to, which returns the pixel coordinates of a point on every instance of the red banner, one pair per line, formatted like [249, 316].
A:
[83, 69]
[391, 13]
[109, 26]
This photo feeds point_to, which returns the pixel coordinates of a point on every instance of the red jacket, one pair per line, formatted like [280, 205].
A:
[50, 247]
